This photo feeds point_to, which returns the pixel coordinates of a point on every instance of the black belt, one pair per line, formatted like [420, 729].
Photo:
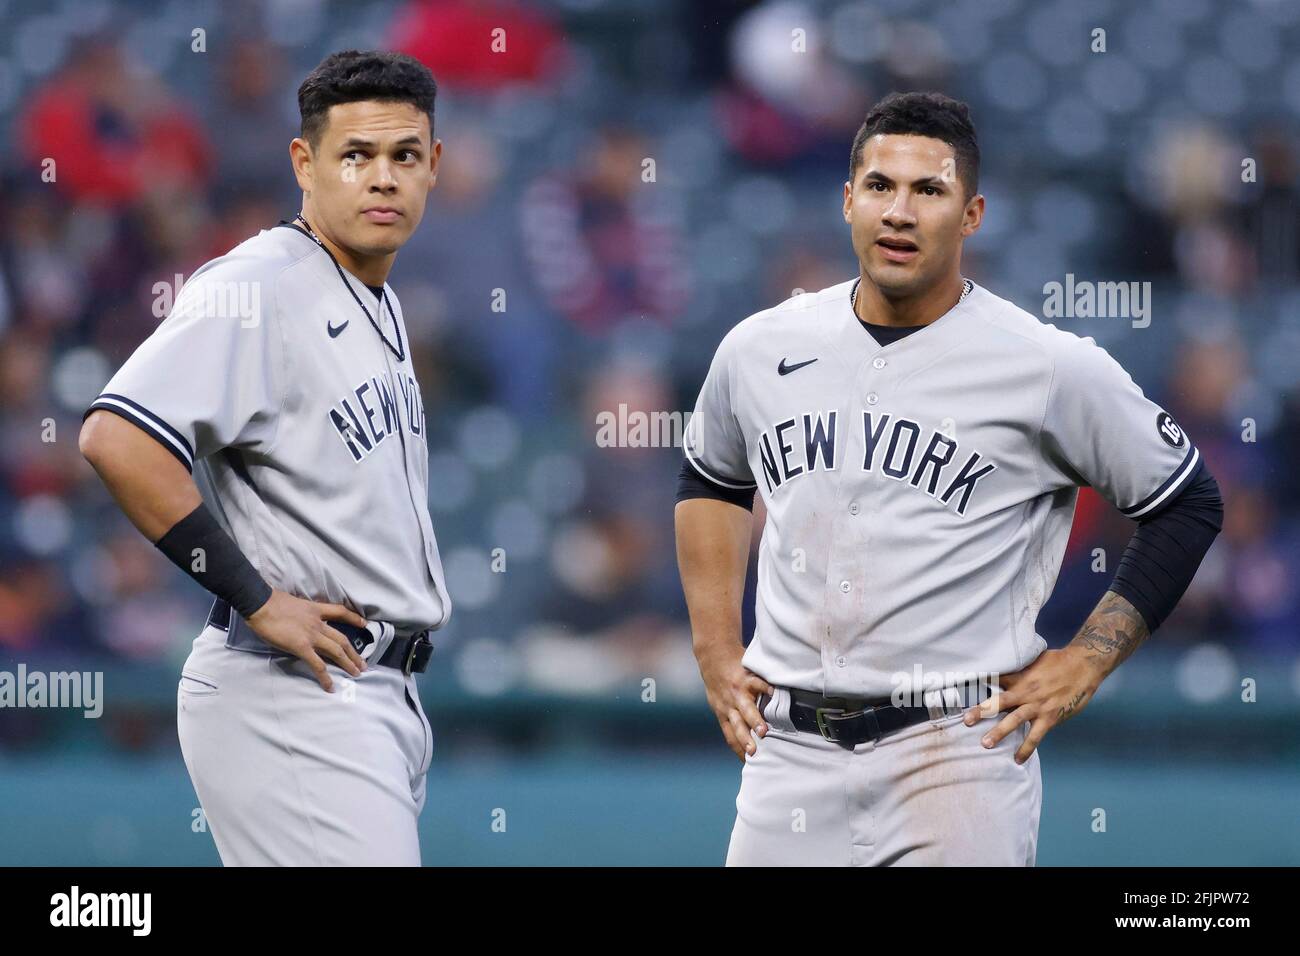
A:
[408, 654]
[849, 722]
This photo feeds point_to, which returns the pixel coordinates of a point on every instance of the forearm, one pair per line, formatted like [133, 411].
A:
[1154, 572]
[151, 487]
[1111, 633]
[712, 557]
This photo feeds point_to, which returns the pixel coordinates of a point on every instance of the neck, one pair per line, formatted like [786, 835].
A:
[874, 307]
[372, 270]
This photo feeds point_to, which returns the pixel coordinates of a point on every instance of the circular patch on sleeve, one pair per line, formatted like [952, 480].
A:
[1169, 430]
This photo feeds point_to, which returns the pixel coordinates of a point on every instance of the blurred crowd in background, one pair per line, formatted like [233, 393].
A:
[619, 277]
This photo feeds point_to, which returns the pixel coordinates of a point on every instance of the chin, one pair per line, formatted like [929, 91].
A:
[898, 283]
[383, 245]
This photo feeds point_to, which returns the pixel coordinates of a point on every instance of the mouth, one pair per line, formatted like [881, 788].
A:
[381, 214]
[897, 249]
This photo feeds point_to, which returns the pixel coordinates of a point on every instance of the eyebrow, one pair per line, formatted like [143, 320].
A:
[359, 141]
[877, 176]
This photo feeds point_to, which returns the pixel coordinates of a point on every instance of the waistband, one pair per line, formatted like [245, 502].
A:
[849, 721]
[377, 641]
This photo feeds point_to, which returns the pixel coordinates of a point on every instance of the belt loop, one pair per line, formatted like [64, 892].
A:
[946, 702]
[936, 703]
[776, 712]
[952, 704]
[384, 634]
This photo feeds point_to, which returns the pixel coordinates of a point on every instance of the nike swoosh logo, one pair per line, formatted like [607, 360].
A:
[334, 331]
[784, 369]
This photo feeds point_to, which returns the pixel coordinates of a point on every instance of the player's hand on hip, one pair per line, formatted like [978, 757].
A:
[733, 692]
[298, 627]
[1051, 690]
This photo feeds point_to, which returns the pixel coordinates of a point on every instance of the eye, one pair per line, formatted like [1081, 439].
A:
[873, 184]
[355, 152]
[932, 190]
[408, 152]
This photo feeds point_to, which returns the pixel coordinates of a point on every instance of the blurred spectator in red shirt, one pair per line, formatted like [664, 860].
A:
[113, 133]
[479, 45]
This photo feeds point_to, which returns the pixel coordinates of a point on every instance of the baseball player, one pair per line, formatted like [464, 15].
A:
[269, 438]
[918, 443]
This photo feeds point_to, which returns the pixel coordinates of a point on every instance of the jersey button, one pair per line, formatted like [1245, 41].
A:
[872, 398]
[853, 507]
[878, 363]
[846, 587]
[841, 662]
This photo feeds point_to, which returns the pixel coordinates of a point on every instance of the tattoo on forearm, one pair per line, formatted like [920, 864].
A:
[1112, 632]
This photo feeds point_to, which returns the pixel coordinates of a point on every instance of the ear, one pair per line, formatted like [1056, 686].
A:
[848, 201]
[301, 159]
[435, 154]
[973, 216]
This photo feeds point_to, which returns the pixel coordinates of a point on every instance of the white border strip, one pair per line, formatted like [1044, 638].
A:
[708, 476]
[157, 427]
[1173, 487]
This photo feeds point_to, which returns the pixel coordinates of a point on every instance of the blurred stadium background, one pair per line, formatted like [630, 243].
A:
[1124, 165]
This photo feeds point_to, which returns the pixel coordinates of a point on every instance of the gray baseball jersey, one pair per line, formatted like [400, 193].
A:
[302, 423]
[919, 495]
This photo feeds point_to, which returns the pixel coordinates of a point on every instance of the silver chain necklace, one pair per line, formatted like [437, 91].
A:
[967, 285]
[400, 349]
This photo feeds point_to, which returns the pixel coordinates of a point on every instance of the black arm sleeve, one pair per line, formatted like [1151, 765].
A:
[202, 549]
[691, 484]
[1162, 557]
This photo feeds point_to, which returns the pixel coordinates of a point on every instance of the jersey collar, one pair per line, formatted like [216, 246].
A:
[855, 344]
[398, 349]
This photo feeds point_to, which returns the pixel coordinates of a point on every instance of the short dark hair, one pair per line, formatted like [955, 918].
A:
[352, 75]
[924, 114]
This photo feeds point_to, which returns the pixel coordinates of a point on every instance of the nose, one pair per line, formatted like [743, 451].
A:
[384, 180]
[899, 212]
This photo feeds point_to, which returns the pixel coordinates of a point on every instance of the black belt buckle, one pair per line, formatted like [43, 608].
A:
[417, 654]
[829, 717]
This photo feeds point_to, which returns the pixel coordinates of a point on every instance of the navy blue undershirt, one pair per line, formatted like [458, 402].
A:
[887, 334]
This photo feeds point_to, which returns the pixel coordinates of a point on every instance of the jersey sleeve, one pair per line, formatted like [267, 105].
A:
[714, 441]
[1101, 431]
[212, 374]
